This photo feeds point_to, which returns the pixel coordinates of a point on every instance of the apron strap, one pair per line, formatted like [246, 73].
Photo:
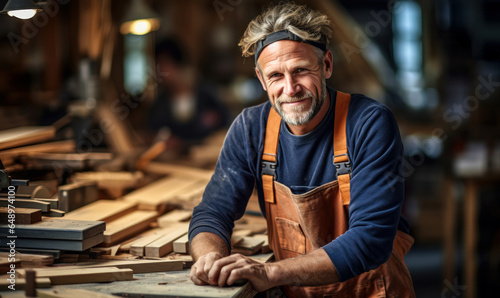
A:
[340, 156]
[269, 160]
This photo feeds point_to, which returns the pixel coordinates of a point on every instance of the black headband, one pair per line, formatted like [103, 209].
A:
[284, 35]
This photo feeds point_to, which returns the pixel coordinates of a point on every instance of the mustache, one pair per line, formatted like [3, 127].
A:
[287, 99]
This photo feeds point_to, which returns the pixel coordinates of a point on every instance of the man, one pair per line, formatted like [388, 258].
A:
[334, 222]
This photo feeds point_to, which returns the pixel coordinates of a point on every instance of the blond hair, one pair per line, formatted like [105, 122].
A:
[302, 21]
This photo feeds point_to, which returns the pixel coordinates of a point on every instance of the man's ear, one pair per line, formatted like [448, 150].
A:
[261, 79]
[328, 64]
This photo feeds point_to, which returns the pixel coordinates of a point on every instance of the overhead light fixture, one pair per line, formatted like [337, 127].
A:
[22, 9]
[139, 19]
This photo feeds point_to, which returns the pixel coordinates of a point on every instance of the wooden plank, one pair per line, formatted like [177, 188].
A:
[62, 276]
[26, 203]
[238, 236]
[71, 293]
[8, 156]
[158, 193]
[25, 260]
[164, 245]
[128, 226]
[103, 210]
[177, 170]
[58, 228]
[265, 246]
[176, 215]
[181, 245]
[137, 265]
[25, 135]
[137, 247]
[21, 215]
[73, 245]
[248, 246]
[41, 282]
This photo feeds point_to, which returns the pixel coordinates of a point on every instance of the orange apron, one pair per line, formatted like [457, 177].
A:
[298, 224]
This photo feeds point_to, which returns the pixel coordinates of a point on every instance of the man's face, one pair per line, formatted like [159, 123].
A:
[294, 80]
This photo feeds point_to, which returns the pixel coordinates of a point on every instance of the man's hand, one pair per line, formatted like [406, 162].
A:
[236, 267]
[200, 270]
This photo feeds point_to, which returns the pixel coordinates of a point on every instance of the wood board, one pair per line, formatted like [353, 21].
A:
[83, 275]
[41, 282]
[137, 265]
[58, 228]
[51, 293]
[103, 210]
[156, 194]
[25, 135]
[165, 244]
[128, 226]
[21, 215]
[181, 245]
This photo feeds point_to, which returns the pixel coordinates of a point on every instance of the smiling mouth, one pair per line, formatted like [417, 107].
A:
[296, 102]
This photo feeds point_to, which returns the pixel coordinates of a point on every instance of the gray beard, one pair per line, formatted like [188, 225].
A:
[297, 116]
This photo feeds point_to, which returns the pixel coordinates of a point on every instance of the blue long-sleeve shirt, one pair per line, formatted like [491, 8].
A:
[305, 162]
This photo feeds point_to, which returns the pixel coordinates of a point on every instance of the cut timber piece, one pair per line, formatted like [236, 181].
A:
[56, 254]
[181, 245]
[128, 226]
[180, 171]
[248, 246]
[76, 195]
[25, 135]
[164, 245]
[154, 195]
[6, 262]
[137, 265]
[105, 210]
[86, 275]
[42, 282]
[71, 293]
[22, 215]
[73, 245]
[174, 216]
[26, 203]
[265, 246]
[238, 236]
[137, 247]
[58, 228]
[29, 260]
[9, 156]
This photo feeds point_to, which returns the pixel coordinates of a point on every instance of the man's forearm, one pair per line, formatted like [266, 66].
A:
[313, 269]
[204, 243]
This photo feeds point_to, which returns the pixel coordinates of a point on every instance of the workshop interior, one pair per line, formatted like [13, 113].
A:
[103, 170]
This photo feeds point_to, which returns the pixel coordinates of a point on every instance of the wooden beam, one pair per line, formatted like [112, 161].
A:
[181, 245]
[103, 210]
[164, 245]
[180, 171]
[137, 265]
[75, 195]
[25, 135]
[248, 246]
[21, 215]
[62, 276]
[156, 194]
[128, 226]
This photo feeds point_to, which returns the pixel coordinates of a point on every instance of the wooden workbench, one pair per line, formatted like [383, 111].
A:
[159, 284]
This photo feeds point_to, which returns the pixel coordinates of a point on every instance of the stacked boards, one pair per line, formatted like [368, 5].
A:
[56, 233]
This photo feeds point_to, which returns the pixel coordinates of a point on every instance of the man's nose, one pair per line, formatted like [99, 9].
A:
[291, 86]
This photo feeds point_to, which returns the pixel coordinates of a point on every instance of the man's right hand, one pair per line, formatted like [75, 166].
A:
[200, 269]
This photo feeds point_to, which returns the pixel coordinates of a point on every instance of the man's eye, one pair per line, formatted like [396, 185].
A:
[274, 75]
[300, 70]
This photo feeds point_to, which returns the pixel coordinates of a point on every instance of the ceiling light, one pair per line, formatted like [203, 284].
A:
[139, 19]
[22, 9]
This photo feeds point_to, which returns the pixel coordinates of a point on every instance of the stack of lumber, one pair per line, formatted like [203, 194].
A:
[37, 198]
[248, 237]
[58, 234]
